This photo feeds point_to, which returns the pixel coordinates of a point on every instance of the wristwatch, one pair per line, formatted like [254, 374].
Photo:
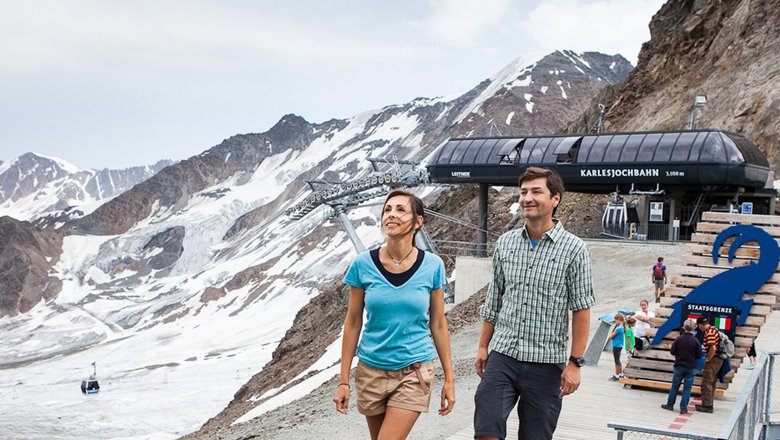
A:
[578, 361]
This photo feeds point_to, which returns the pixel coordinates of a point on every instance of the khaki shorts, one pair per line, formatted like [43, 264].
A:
[379, 389]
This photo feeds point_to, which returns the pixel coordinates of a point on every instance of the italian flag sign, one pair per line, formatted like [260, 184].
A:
[722, 322]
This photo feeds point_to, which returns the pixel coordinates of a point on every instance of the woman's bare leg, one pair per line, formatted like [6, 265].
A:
[398, 423]
[375, 424]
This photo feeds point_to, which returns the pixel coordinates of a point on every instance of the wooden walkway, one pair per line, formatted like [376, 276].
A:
[600, 401]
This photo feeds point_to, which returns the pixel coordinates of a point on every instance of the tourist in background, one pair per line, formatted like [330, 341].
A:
[643, 316]
[751, 356]
[617, 337]
[712, 364]
[659, 278]
[630, 343]
[686, 351]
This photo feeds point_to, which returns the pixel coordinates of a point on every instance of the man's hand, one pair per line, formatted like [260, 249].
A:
[570, 379]
[481, 360]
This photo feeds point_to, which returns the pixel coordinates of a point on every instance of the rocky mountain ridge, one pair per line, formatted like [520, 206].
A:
[33, 186]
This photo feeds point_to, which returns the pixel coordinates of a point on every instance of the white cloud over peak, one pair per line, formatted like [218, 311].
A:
[582, 26]
[459, 23]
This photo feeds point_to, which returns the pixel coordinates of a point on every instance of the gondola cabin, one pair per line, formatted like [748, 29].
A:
[91, 385]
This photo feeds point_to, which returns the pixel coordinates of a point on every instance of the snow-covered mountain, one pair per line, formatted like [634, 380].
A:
[182, 287]
[32, 185]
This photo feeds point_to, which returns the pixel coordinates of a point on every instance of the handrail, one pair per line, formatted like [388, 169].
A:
[754, 392]
[659, 431]
[747, 391]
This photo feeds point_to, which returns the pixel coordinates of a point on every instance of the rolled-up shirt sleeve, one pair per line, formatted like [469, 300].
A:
[579, 281]
[495, 293]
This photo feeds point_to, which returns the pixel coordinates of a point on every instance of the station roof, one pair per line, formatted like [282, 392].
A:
[690, 157]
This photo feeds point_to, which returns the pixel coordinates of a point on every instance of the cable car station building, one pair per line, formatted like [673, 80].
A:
[672, 175]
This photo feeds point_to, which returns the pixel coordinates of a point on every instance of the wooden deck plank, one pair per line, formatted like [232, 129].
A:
[725, 217]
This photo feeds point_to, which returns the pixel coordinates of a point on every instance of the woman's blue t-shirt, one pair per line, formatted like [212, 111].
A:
[396, 333]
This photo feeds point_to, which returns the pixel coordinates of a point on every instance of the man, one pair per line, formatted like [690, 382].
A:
[712, 364]
[659, 278]
[643, 317]
[540, 272]
[686, 351]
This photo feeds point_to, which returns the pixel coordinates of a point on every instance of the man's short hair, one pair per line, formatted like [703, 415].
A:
[689, 325]
[554, 181]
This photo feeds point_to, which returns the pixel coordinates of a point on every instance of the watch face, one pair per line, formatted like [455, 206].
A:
[578, 361]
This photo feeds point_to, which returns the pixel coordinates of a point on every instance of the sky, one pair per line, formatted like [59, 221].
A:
[113, 84]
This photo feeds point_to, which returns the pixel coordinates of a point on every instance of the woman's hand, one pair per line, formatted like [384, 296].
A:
[447, 398]
[341, 398]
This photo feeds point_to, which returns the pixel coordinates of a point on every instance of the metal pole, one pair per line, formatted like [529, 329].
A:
[351, 233]
[423, 241]
[770, 382]
[692, 122]
[483, 221]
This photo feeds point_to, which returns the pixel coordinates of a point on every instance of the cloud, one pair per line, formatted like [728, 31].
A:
[608, 26]
[459, 23]
[52, 35]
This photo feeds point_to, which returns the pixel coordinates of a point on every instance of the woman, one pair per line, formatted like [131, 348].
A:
[401, 289]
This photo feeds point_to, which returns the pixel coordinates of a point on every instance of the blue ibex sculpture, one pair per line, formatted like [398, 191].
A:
[727, 288]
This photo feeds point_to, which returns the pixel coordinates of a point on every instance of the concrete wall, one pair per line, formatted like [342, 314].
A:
[471, 274]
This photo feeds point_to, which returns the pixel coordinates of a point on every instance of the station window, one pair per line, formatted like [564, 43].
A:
[525, 153]
[664, 150]
[585, 146]
[682, 148]
[473, 151]
[615, 147]
[647, 149]
[448, 150]
[463, 147]
[631, 147]
[712, 150]
[537, 154]
[599, 147]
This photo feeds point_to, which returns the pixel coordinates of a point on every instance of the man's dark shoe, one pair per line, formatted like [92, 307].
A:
[704, 409]
[667, 407]
[684, 411]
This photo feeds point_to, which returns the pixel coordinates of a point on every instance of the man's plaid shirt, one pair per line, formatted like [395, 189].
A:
[533, 290]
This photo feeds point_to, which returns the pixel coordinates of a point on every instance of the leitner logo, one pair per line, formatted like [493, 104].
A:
[620, 172]
[461, 174]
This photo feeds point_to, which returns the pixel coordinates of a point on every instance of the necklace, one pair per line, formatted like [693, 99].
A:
[398, 262]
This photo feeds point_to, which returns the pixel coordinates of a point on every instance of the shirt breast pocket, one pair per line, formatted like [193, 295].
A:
[550, 282]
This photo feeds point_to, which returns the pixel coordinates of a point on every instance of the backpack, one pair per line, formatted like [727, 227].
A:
[658, 271]
[725, 346]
